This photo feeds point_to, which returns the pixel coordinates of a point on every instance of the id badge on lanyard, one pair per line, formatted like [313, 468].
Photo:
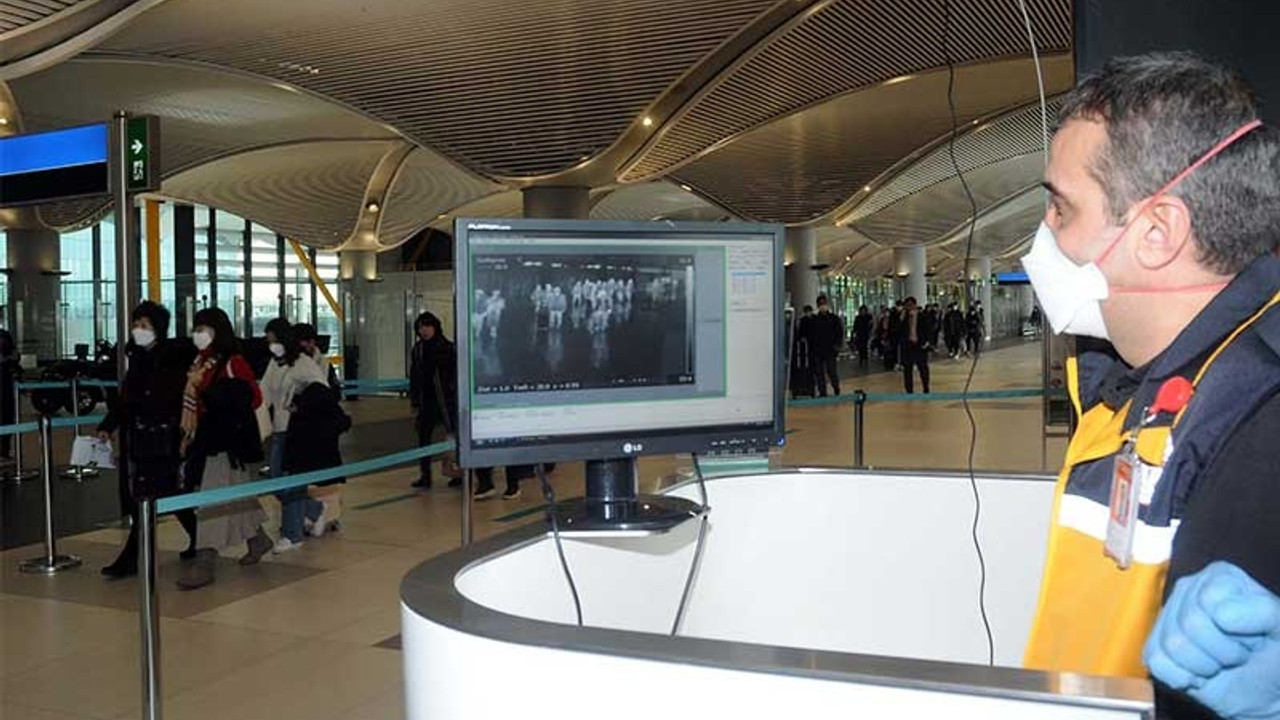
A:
[1122, 521]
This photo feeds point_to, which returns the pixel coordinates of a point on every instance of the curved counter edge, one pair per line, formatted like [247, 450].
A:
[429, 591]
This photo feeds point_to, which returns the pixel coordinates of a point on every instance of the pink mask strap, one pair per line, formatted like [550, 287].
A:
[1213, 152]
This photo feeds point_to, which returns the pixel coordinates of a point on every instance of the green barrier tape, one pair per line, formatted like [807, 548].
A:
[367, 384]
[99, 383]
[45, 385]
[18, 429]
[222, 495]
[60, 422]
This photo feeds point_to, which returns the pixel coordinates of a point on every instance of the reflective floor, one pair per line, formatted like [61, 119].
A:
[313, 634]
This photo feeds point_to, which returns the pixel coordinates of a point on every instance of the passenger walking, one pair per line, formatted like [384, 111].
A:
[826, 335]
[917, 329]
[975, 328]
[309, 345]
[802, 365]
[311, 443]
[289, 371]
[220, 438]
[433, 390]
[862, 323]
[953, 330]
[149, 408]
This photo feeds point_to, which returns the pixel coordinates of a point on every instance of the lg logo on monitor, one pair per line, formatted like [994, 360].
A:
[629, 448]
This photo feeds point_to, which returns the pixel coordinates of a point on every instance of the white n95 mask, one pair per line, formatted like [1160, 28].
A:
[1070, 294]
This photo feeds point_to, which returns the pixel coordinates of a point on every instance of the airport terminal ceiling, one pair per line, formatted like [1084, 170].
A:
[828, 113]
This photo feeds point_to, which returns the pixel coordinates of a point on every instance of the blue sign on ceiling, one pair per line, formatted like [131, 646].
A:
[56, 165]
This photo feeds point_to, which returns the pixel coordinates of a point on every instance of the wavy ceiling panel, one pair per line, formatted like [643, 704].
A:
[803, 167]
[848, 45]
[508, 89]
[426, 186]
[15, 14]
[653, 201]
[311, 192]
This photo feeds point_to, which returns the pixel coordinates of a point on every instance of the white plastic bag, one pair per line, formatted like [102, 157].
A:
[88, 451]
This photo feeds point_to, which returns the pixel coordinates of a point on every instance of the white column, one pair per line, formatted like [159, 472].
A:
[979, 274]
[362, 264]
[910, 265]
[35, 291]
[799, 257]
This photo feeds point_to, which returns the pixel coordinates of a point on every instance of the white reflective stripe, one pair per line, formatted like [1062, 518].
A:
[1151, 545]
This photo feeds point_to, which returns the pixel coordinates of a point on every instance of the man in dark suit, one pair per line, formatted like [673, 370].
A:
[826, 335]
[917, 329]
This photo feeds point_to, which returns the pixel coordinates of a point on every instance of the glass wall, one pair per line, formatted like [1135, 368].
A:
[244, 268]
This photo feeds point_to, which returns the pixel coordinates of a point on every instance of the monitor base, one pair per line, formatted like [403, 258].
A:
[642, 516]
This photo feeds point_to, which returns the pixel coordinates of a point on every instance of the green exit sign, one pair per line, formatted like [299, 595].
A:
[142, 154]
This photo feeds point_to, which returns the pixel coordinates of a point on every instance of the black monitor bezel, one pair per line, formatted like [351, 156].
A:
[731, 438]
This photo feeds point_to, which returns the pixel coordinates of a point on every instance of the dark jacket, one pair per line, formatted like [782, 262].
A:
[925, 328]
[953, 325]
[150, 412]
[228, 424]
[826, 334]
[315, 425]
[433, 381]
[862, 329]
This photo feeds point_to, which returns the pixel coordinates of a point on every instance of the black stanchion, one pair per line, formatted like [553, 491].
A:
[859, 428]
[51, 563]
[149, 606]
[18, 473]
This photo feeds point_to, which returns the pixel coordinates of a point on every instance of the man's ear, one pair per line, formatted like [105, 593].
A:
[1167, 235]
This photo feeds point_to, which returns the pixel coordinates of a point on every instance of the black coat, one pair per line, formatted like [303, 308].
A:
[953, 325]
[862, 329]
[228, 425]
[433, 381]
[150, 411]
[826, 334]
[316, 423]
[925, 330]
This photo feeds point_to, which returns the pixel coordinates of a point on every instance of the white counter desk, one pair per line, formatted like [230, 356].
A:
[822, 594]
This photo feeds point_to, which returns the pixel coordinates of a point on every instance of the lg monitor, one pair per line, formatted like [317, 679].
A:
[605, 341]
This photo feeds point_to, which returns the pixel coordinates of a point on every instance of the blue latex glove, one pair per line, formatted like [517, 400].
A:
[1218, 640]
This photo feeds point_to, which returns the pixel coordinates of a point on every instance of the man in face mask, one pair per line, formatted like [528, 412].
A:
[1160, 238]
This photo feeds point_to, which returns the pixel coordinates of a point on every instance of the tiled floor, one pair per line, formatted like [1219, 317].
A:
[311, 634]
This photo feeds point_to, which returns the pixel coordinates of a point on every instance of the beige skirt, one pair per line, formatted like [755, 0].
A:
[227, 526]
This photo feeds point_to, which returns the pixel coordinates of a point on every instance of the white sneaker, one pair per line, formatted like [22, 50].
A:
[321, 524]
[284, 545]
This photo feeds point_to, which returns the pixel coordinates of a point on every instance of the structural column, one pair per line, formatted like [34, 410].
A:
[560, 202]
[799, 257]
[184, 265]
[910, 264]
[362, 264]
[978, 274]
[34, 292]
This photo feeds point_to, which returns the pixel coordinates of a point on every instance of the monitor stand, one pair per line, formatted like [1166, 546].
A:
[613, 505]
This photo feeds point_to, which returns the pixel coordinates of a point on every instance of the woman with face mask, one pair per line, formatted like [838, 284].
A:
[149, 410]
[220, 439]
[289, 371]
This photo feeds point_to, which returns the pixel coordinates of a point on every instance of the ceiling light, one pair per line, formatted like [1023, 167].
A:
[686, 188]
[895, 81]
[4, 121]
[373, 206]
[647, 121]
[442, 216]
[866, 188]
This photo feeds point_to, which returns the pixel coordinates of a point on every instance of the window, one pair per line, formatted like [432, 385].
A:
[264, 264]
[229, 247]
[297, 288]
[76, 311]
[326, 320]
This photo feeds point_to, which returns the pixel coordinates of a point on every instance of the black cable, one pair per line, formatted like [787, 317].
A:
[697, 550]
[973, 367]
[550, 496]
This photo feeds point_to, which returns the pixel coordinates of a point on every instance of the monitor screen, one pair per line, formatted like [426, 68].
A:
[583, 340]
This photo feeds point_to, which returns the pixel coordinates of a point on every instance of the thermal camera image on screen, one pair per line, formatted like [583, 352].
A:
[581, 321]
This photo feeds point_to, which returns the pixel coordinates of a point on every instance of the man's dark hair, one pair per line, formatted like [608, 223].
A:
[1162, 112]
[822, 299]
[305, 332]
[156, 313]
[807, 308]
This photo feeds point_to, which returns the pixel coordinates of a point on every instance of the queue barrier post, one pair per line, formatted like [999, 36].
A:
[51, 563]
[18, 473]
[859, 429]
[77, 472]
[149, 610]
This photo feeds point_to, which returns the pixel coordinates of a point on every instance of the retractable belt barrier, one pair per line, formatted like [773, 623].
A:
[219, 496]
